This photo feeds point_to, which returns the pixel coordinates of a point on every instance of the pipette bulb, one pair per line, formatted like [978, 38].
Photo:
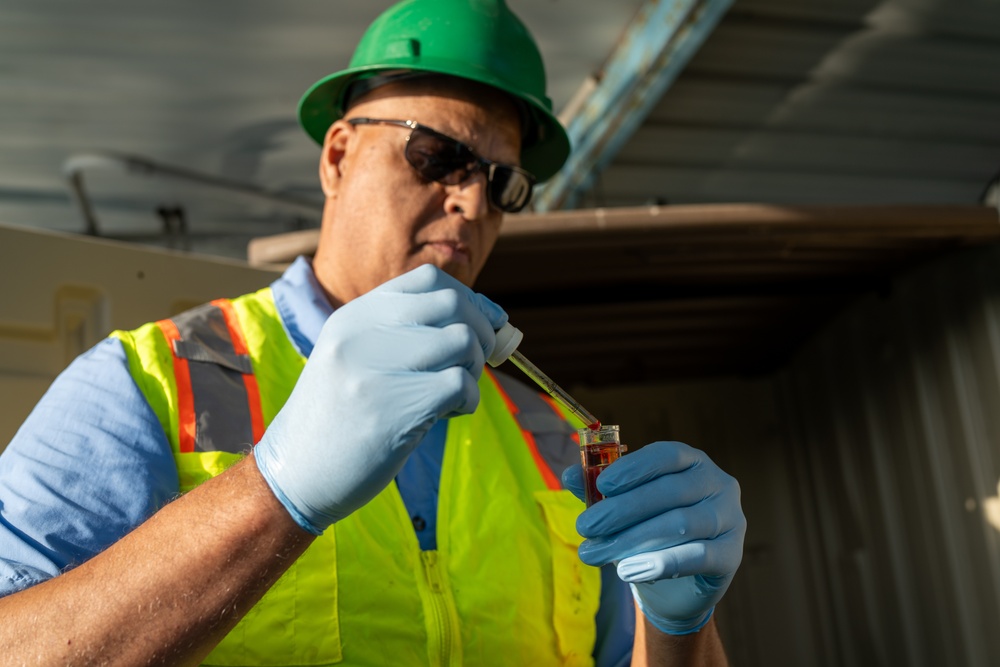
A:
[508, 338]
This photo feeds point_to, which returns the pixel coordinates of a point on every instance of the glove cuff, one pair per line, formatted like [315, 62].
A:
[687, 626]
[297, 516]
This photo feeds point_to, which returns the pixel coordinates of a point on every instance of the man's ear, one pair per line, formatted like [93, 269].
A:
[332, 158]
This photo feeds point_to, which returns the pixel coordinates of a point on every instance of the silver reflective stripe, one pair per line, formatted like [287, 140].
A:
[553, 435]
[195, 351]
[221, 406]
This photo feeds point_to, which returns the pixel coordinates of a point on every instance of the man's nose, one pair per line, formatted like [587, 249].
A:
[469, 198]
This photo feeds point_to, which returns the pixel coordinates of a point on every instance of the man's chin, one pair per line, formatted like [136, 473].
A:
[462, 271]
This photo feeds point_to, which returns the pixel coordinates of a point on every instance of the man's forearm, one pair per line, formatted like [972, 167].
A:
[169, 591]
[700, 649]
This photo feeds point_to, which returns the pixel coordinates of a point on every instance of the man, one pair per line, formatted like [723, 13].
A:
[426, 140]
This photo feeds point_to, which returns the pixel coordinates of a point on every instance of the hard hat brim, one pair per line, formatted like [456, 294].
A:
[322, 105]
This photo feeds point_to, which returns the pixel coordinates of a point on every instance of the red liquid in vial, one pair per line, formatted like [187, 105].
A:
[595, 459]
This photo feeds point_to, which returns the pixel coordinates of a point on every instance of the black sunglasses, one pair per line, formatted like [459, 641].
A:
[438, 157]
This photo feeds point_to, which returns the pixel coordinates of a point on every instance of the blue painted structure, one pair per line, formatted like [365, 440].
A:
[656, 46]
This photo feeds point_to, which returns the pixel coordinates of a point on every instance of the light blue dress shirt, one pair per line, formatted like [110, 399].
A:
[91, 463]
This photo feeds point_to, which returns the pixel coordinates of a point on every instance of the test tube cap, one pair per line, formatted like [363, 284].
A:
[508, 338]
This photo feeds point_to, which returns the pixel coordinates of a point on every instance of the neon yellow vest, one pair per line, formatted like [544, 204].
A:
[504, 587]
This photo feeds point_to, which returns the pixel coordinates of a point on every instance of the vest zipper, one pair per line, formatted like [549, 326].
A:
[441, 614]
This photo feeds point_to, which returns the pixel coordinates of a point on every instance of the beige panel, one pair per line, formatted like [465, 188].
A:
[62, 294]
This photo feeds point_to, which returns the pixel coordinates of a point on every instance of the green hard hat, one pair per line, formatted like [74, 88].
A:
[480, 40]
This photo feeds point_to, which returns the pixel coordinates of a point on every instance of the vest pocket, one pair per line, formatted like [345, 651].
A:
[296, 622]
[576, 593]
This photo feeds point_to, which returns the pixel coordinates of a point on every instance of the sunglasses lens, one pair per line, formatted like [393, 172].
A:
[438, 158]
[442, 159]
[510, 190]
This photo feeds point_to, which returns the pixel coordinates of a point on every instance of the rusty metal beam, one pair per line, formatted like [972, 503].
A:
[719, 225]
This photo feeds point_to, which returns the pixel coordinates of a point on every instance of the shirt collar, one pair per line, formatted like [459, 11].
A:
[301, 303]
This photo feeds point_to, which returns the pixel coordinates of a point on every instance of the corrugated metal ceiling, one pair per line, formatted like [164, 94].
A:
[788, 101]
[832, 101]
[205, 86]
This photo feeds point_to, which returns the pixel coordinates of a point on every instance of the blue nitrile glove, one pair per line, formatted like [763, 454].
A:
[672, 522]
[386, 366]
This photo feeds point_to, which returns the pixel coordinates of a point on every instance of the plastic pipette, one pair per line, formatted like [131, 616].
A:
[508, 338]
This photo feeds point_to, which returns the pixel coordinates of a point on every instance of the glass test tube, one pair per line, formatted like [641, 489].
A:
[599, 448]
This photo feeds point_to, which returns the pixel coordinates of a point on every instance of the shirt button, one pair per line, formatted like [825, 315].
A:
[419, 523]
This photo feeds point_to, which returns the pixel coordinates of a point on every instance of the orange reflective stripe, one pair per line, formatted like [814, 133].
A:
[233, 323]
[249, 380]
[543, 468]
[253, 399]
[185, 397]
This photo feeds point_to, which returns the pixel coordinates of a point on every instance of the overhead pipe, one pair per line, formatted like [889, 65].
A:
[74, 166]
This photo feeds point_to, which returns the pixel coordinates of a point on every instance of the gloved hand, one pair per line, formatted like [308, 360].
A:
[387, 365]
[672, 522]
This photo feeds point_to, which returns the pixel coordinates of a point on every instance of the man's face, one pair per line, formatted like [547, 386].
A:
[381, 218]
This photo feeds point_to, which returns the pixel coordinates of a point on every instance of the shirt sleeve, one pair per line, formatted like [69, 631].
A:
[90, 463]
[615, 621]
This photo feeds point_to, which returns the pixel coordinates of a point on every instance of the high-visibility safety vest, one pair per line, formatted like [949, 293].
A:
[504, 586]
